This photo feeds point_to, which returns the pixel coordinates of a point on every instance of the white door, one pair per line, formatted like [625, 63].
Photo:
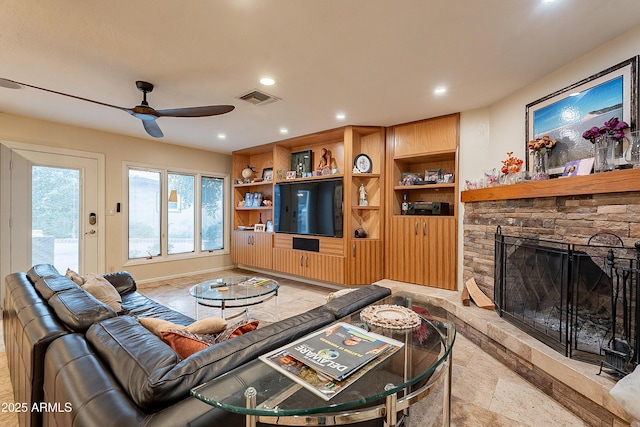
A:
[55, 212]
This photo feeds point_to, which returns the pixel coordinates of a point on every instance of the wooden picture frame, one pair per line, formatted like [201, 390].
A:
[565, 115]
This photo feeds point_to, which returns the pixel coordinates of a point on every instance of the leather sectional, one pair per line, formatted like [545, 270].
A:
[79, 363]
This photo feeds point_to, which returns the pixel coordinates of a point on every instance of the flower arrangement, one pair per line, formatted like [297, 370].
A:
[612, 127]
[541, 145]
[511, 164]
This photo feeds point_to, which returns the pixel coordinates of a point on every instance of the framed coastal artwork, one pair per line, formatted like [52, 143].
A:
[565, 115]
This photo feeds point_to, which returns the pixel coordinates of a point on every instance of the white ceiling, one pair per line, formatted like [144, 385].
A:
[378, 61]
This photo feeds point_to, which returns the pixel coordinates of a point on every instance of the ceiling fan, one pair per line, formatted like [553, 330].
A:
[144, 112]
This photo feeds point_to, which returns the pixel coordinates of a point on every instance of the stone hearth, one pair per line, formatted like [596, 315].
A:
[571, 211]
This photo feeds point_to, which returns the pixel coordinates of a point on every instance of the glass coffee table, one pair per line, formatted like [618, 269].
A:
[385, 391]
[234, 292]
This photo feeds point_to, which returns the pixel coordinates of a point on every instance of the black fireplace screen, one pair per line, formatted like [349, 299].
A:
[578, 299]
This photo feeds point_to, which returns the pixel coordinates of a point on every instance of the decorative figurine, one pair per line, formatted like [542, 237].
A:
[363, 196]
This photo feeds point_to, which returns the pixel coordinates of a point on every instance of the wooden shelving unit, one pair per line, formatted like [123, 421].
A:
[345, 260]
[422, 249]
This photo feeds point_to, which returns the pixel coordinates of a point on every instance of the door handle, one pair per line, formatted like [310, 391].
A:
[424, 228]
[90, 232]
[415, 227]
[307, 262]
[93, 218]
[301, 257]
[354, 250]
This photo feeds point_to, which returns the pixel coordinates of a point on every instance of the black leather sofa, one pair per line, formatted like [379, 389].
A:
[84, 364]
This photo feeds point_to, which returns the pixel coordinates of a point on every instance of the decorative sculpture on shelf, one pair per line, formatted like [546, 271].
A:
[363, 196]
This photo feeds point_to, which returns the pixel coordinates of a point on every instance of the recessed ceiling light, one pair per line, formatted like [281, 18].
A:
[284, 130]
[222, 136]
[341, 116]
[267, 81]
[440, 90]
[574, 94]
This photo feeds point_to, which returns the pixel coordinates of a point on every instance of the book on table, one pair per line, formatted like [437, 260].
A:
[330, 359]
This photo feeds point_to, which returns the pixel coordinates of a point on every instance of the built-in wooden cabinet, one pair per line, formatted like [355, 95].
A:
[421, 248]
[418, 249]
[252, 248]
[345, 260]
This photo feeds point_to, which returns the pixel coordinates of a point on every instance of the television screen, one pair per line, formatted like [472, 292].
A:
[309, 207]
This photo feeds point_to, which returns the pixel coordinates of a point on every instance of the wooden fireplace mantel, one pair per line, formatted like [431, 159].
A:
[619, 181]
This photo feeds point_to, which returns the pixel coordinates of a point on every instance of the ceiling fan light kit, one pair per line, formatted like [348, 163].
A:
[144, 112]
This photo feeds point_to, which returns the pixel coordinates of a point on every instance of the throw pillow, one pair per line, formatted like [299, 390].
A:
[209, 325]
[158, 326]
[103, 291]
[237, 329]
[186, 343]
[75, 277]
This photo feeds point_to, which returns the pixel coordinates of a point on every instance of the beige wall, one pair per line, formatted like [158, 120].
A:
[118, 149]
[487, 134]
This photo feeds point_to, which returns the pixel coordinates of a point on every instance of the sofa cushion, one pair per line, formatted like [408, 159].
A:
[50, 285]
[138, 305]
[152, 373]
[103, 291]
[353, 301]
[123, 281]
[78, 310]
[41, 270]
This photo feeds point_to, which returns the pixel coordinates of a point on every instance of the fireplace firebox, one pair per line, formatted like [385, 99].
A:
[580, 300]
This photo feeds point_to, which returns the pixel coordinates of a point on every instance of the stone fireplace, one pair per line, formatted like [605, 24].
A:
[580, 300]
[562, 216]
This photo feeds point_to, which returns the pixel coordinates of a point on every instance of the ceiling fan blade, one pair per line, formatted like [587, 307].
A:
[152, 128]
[212, 110]
[12, 84]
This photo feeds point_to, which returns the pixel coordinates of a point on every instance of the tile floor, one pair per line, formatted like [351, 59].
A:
[484, 392]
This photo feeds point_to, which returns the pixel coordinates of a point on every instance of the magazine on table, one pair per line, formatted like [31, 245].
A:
[329, 360]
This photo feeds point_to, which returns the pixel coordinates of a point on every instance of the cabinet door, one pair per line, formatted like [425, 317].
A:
[328, 268]
[365, 262]
[406, 257]
[241, 247]
[262, 250]
[439, 252]
[437, 134]
[287, 261]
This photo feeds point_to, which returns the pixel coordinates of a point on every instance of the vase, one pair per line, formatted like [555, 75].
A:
[632, 155]
[604, 154]
[539, 166]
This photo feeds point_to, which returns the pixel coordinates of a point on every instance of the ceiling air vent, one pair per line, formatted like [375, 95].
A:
[257, 97]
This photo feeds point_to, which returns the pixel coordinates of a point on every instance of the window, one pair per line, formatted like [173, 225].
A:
[212, 218]
[181, 218]
[144, 213]
[174, 213]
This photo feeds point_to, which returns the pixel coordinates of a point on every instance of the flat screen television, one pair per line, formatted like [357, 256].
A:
[308, 207]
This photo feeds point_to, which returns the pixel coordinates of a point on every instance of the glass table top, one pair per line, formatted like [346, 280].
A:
[426, 347]
[234, 288]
